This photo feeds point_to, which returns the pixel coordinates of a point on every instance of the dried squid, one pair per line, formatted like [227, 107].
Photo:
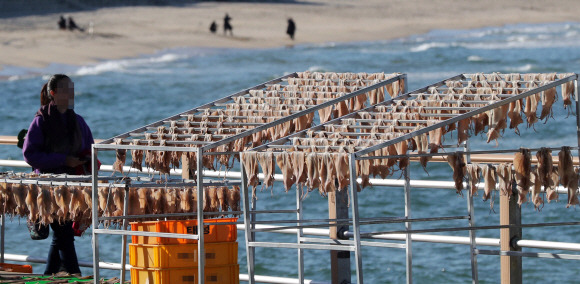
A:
[185, 200]
[551, 193]
[77, 204]
[489, 178]
[62, 197]
[212, 197]
[299, 166]
[250, 162]
[172, 200]
[548, 98]
[456, 163]
[45, 205]
[522, 169]
[342, 170]
[474, 173]
[8, 198]
[233, 198]
[497, 122]
[159, 201]
[537, 191]
[567, 92]
[505, 179]
[120, 156]
[284, 163]
[312, 171]
[31, 197]
[222, 194]
[145, 200]
[20, 191]
[568, 176]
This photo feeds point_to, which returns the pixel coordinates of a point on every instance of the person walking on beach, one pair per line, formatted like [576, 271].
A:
[213, 27]
[73, 26]
[291, 28]
[59, 142]
[227, 25]
[62, 23]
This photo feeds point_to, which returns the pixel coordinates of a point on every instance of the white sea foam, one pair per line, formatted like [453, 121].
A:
[475, 58]
[427, 46]
[125, 64]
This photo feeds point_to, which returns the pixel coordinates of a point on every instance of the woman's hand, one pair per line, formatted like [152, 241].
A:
[73, 162]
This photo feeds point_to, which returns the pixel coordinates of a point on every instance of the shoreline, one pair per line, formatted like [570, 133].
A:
[34, 42]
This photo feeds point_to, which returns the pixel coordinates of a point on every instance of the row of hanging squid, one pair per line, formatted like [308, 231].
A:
[47, 204]
[544, 176]
[256, 108]
[319, 158]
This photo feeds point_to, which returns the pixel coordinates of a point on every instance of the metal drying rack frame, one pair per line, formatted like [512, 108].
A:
[361, 154]
[204, 149]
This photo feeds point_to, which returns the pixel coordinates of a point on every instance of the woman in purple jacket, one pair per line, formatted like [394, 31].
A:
[59, 141]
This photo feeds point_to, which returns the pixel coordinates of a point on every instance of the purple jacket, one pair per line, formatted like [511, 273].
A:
[47, 162]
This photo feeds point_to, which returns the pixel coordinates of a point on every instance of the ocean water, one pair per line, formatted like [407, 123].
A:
[120, 95]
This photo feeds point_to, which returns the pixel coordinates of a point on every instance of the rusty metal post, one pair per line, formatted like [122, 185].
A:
[510, 214]
[339, 260]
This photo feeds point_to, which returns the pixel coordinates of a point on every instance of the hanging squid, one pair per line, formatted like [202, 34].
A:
[522, 170]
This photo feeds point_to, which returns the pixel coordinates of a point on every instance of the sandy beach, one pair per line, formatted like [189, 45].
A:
[33, 40]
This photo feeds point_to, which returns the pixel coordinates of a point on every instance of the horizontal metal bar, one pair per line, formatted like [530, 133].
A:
[382, 244]
[272, 211]
[145, 234]
[529, 254]
[476, 152]
[301, 246]
[443, 239]
[327, 241]
[455, 229]
[342, 222]
[350, 242]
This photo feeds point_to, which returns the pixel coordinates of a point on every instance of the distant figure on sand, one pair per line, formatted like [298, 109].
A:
[73, 26]
[62, 23]
[213, 27]
[291, 28]
[227, 25]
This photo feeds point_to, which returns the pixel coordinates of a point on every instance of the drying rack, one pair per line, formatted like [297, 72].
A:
[485, 93]
[230, 125]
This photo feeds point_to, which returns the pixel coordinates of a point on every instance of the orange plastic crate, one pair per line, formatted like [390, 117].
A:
[184, 255]
[11, 267]
[212, 233]
[229, 274]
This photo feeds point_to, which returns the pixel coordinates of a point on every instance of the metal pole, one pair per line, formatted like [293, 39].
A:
[577, 99]
[200, 229]
[2, 228]
[355, 218]
[299, 233]
[408, 240]
[95, 214]
[471, 212]
[124, 240]
[246, 208]
[510, 214]
[339, 260]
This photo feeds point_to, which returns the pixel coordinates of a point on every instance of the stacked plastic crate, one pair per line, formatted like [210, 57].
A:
[170, 260]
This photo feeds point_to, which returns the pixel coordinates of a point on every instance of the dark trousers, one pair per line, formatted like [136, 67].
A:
[62, 254]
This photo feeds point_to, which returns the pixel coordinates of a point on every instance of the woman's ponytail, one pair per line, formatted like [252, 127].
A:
[44, 96]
